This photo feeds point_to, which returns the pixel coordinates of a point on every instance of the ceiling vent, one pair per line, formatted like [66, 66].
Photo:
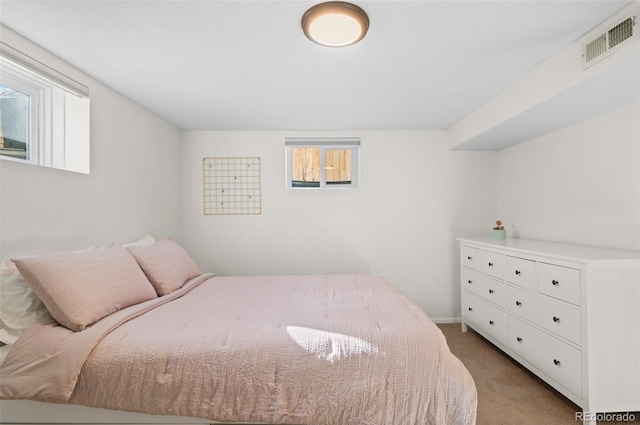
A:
[610, 37]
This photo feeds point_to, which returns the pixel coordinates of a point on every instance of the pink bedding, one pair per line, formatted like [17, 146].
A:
[291, 350]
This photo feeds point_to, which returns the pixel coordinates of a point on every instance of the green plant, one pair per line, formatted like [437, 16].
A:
[498, 225]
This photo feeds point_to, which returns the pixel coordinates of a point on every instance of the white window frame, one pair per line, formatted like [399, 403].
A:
[45, 127]
[324, 144]
[47, 89]
[7, 79]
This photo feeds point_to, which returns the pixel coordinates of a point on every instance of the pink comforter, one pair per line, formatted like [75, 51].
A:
[309, 350]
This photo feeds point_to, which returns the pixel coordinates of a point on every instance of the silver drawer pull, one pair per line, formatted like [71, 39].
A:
[556, 362]
[555, 282]
[518, 339]
[518, 272]
[518, 303]
[556, 319]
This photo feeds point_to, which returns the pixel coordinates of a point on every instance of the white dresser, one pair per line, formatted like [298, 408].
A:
[570, 314]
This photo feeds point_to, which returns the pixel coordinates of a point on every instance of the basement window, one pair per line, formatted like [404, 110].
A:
[325, 163]
[44, 115]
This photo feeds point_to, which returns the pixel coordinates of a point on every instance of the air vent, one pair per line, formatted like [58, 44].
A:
[621, 32]
[607, 39]
[596, 48]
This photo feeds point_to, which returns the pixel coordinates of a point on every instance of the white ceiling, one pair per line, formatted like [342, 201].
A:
[246, 65]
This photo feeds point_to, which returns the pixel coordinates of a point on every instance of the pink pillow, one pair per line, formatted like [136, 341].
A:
[80, 289]
[167, 265]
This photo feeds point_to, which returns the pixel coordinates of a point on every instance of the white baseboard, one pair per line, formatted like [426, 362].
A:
[446, 319]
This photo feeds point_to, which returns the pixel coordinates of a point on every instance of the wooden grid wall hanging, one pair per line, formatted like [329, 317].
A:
[231, 186]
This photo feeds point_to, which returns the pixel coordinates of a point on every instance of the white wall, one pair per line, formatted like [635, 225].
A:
[577, 185]
[132, 189]
[415, 198]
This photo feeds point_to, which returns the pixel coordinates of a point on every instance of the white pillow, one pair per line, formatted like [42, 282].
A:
[4, 350]
[146, 240]
[19, 306]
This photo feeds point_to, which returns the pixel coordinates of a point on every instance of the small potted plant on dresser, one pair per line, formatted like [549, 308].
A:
[498, 231]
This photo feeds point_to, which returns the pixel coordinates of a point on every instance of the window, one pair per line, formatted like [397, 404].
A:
[322, 163]
[44, 115]
[15, 122]
[27, 116]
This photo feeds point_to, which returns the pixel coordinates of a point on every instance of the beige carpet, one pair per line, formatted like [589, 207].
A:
[508, 394]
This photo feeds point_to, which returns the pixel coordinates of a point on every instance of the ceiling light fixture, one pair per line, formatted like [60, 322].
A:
[335, 24]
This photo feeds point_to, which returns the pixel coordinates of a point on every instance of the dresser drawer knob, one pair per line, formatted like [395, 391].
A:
[470, 281]
[518, 303]
[470, 309]
[556, 319]
[490, 264]
[518, 339]
[518, 272]
[555, 282]
[491, 291]
[556, 362]
[469, 257]
[491, 322]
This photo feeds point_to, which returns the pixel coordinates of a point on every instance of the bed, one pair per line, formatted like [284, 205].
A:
[321, 349]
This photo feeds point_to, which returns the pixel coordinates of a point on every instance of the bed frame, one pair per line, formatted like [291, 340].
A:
[25, 411]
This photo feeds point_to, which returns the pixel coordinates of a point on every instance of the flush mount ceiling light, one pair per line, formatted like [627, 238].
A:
[335, 24]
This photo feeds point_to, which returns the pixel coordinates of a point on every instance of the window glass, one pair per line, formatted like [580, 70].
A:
[14, 123]
[338, 166]
[305, 167]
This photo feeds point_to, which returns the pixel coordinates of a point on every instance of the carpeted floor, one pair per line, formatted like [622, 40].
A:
[508, 394]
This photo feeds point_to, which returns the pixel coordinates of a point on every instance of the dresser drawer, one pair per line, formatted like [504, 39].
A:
[559, 282]
[493, 264]
[555, 316]
[557, 359]
[483, 286]
[485, 316]
[521, 272]
[470, 257]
